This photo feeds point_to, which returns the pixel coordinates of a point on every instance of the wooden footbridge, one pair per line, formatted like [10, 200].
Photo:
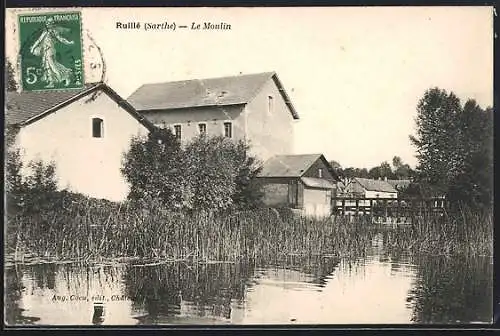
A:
[390, 210]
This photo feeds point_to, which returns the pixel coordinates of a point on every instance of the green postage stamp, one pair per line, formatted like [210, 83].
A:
[51, 51]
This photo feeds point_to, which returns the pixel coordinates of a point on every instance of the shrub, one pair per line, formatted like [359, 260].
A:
[153, 168]
[210, 173]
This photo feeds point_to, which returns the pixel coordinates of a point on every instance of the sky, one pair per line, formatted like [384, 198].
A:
[355, 75]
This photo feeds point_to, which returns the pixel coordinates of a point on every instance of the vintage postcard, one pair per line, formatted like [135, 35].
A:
[248, 166]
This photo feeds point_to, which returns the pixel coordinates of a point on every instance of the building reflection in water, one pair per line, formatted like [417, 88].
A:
[290, 290]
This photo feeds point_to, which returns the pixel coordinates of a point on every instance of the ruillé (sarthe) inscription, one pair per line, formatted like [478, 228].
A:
[166, 25]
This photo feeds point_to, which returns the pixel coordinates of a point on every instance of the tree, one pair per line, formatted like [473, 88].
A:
[437, 138]
[355, 172]
[210, 173]
[10, 79]
[248, 193]
[455, 148]
[154, 169]
[402, 171]
[222, 174]
[382, 171]
[397, 162]
[474, 181]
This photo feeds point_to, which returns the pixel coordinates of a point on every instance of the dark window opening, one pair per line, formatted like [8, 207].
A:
[97, 128]
[177, 131]
[228, 131]
[202, 128]
[270, 106]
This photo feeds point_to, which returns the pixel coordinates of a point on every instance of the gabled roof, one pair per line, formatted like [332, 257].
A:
[221, 91]
[317, 183]
[291, 165]
[375, 185]
[288, 165]
[399, 184]
[23, 108]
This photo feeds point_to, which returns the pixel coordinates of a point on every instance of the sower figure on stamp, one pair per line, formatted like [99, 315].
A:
[44, 46]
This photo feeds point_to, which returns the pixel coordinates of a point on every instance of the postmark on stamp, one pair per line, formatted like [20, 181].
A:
[51, 51]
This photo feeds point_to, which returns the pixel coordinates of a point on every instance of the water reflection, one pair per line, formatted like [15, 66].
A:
[452, 290]
[199, 293]
[14, 314]
[382, 287]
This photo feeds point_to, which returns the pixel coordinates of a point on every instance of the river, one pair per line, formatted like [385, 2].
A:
[381, 287]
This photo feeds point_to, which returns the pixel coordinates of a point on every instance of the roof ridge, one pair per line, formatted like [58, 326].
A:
[305, 154]
[207, 78]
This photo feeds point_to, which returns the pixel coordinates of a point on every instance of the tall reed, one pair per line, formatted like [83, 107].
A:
[92, 231]
[465, 232]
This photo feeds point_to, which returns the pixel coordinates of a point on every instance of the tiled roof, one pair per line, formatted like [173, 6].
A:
[288, 165]
[317, 183]
[221, 91]
[399, 184]
[375, 185]
[27, 106]
[22, 106]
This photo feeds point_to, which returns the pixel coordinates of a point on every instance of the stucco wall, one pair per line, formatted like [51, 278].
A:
[381, 194]
[317, 202]
[84, 164]
[189, 118]
[269, 133]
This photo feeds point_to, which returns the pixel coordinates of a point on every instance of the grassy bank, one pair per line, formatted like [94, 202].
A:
[90, 230]
[466, 233]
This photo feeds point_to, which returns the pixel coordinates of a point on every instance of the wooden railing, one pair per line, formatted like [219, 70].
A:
[388, 207]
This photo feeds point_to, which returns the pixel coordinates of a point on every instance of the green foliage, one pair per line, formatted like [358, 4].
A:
[43, 177]
[355, 172]
[248, 193]
[399, 171]
[210, 173]
[382, 171]
[402, 171]
[153, 167]
[118, 230]
[211, 170]
[13, 180]
[455, 148]
[23, 192]
[10, 79]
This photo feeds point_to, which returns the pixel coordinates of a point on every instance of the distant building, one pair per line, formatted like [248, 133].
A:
[399, 185]
[252, 107]
[304, 182]
[368, 188]
[84, 132]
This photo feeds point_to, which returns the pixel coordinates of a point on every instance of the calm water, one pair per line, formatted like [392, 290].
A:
[379, 288]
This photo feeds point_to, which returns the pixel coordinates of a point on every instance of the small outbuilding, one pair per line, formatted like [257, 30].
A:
[305, 182]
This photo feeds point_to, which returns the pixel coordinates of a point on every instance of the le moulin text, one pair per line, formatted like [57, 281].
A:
[173, 26]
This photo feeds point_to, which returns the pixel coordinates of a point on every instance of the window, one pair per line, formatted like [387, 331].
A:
[228, 130]
[97, 128]
[270, 104]
[320, 173]
[177, 132]
[202, 128]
